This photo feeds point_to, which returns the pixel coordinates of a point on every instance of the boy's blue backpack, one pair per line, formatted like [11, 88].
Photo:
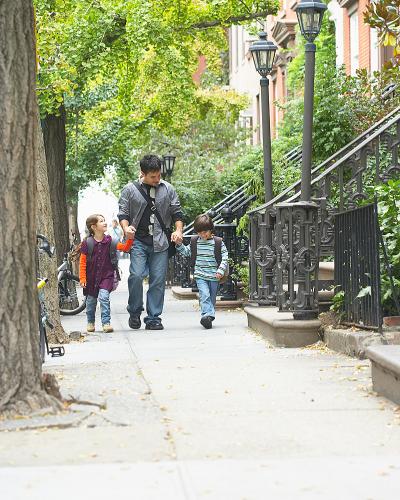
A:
[217, 254]
[113, 257]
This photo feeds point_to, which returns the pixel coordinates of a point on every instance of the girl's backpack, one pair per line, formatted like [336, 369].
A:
[113, 257]
[217, 254]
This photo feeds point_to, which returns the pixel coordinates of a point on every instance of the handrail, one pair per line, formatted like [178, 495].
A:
[348, 155]
[350, 145]
[232, 196]
[294, 155]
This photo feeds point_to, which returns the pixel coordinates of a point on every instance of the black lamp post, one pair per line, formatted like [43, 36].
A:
[309, 15]
[263, 52]
[168, 164]
[298, 228]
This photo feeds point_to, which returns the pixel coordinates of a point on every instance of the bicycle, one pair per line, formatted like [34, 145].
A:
[70, 294]
[44, 321]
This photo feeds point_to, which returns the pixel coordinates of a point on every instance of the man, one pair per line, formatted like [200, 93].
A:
[115, 230]
[149, 254]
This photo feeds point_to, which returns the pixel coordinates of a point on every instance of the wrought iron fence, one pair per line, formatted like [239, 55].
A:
[338, 184]
[357, 272]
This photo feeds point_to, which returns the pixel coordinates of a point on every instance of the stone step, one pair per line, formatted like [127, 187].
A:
[281, 329]
[385, 370]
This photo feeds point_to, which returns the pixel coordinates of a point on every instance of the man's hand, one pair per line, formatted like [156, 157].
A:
[219, 276]
[83, 284]
[130, 232]
[177, 237]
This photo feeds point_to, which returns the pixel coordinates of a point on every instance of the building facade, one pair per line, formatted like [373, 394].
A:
[356, 47]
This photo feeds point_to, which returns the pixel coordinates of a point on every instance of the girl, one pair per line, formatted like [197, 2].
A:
[96, 271]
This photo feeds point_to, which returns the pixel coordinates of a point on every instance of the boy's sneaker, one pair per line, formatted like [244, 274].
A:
[108, 328]
[90, 328]
[206, 321]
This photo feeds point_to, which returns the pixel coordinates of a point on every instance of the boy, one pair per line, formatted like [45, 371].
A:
[207, 271]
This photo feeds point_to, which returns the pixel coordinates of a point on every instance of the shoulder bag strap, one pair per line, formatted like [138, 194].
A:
[152, 206]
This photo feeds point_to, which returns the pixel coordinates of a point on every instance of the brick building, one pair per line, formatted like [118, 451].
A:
[356, 47]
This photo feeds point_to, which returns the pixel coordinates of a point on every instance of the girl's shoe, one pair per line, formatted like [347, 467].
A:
[108, 328]
[90, 328]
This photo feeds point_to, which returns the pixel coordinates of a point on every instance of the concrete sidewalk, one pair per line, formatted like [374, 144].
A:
[196, 414]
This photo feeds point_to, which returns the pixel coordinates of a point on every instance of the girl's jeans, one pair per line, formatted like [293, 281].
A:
[91, 303]
[208, 296]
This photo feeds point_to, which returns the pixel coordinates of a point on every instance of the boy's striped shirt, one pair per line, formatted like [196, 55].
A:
[206, 266]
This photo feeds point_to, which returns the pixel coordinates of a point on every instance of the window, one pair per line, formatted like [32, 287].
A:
[374, 63]
[354, 49]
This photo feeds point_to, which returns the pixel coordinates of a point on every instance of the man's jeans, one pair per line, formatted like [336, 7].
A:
[208, 296]
[91, 303]
[144, 261]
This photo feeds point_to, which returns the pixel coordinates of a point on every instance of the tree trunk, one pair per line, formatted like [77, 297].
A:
[47, 266]
[73, 224]
[54, 136]
[20, 366]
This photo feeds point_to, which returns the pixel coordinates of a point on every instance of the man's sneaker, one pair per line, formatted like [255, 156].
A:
[154, 325]
[108, 328]
[134, 322]
[90, 328]
[206, 321]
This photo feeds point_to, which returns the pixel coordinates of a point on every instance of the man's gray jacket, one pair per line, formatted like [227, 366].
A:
[132, 205]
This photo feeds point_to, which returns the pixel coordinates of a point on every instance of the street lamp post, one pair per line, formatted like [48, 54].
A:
[167, 166]
[263, 52]
[309, 15]
[297, 236]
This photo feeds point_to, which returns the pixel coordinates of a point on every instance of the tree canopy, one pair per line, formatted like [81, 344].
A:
[125, 67]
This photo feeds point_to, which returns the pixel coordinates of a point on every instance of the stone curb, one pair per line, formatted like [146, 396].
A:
[353, 343]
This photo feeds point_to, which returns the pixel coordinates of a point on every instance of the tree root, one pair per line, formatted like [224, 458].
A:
[72, 400]
[57, 335]
[49, 400]
[31, 403]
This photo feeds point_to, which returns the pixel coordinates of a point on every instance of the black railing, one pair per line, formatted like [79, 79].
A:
[357, 272]
[338, 184]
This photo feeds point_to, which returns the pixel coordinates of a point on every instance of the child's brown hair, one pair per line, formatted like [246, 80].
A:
[203, 222]
[92, 220]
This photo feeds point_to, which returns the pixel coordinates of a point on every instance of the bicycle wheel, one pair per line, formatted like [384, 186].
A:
[70, 295]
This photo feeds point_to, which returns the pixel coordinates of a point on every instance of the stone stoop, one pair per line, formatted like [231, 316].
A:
[354, 343]
[183, 293]
[280, 329]
[385, 370]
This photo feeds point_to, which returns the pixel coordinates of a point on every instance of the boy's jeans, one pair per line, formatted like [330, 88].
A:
[91, 303]
[144, 261]
[208, 296]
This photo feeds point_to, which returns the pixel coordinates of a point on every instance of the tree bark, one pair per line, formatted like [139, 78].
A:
[54, 136]
[20, 366]
[47, 266]
[73, 224]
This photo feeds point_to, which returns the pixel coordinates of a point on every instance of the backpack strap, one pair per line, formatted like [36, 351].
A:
[218, 249]
[90, 246]
[193, 249]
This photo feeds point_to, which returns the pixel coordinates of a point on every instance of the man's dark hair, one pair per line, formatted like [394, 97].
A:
[203, 222]
[150, 163]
